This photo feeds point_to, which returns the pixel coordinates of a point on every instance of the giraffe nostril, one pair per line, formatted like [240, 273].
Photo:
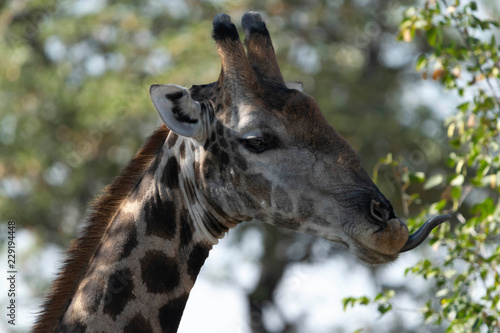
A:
[378, 213]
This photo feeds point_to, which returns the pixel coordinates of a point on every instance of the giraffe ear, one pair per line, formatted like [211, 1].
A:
[178, 110]
[295, 85]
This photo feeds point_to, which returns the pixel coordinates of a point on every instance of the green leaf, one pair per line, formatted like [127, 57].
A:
[348, 301]
[456, 192]
[384, 308]
[432, 36]
[457, 180]
[463, 107]
[433, 181]
[384, 296]
[420, 24]
[442, 292]
[417, 177]
[364, 300]
[484, 273]
[460, 165]
[484, 167]
[386, 160]
[436, 207]
[421, 62]
[352, 301]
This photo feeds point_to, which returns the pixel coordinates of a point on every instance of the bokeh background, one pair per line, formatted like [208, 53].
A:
[74, 108]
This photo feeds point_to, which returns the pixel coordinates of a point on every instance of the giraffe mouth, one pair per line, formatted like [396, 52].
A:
[421, 234]
[342, 243]
[371, 256]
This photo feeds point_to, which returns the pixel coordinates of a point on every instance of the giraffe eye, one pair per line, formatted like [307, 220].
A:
[258, 144]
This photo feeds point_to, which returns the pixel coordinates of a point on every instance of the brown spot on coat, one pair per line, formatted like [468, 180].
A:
[219, 129]
[170, 314]
[182, 150]
[283, 201]
[197, 173]
[196, 260]
[160, 217]
[131, 243]
[159, 272]
[172, 139]
[239, 161]
[305, 207]
[259, 186]
[138, 324]
[118, 292]
[224, 158]
[170, 177]
[186, 229]
[222, 142]
[215, 150]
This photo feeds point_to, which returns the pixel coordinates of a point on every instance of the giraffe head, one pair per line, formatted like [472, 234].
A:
[256, 147]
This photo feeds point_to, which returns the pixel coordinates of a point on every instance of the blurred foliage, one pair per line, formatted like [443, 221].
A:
[464, 56]
[75, 105]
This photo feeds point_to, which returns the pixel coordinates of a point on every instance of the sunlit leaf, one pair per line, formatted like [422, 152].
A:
[433, 181]
[457, 180]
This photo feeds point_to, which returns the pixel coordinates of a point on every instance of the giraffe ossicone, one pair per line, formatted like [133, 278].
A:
[249, 146]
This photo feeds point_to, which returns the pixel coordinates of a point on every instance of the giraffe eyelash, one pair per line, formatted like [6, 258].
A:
[259, 144]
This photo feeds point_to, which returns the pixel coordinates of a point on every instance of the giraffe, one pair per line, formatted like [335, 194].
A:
[249, 146]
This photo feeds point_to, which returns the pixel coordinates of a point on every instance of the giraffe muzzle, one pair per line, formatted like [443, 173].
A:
[421, 234]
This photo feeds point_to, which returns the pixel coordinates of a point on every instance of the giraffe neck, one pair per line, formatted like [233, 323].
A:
[141, 274]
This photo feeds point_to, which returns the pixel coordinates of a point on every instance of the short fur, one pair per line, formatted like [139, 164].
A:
[83, 248]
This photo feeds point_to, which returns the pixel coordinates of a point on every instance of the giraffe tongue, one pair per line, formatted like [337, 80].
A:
[421, 234]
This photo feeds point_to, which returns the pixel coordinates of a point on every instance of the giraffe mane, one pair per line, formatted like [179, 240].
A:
[83, 248]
